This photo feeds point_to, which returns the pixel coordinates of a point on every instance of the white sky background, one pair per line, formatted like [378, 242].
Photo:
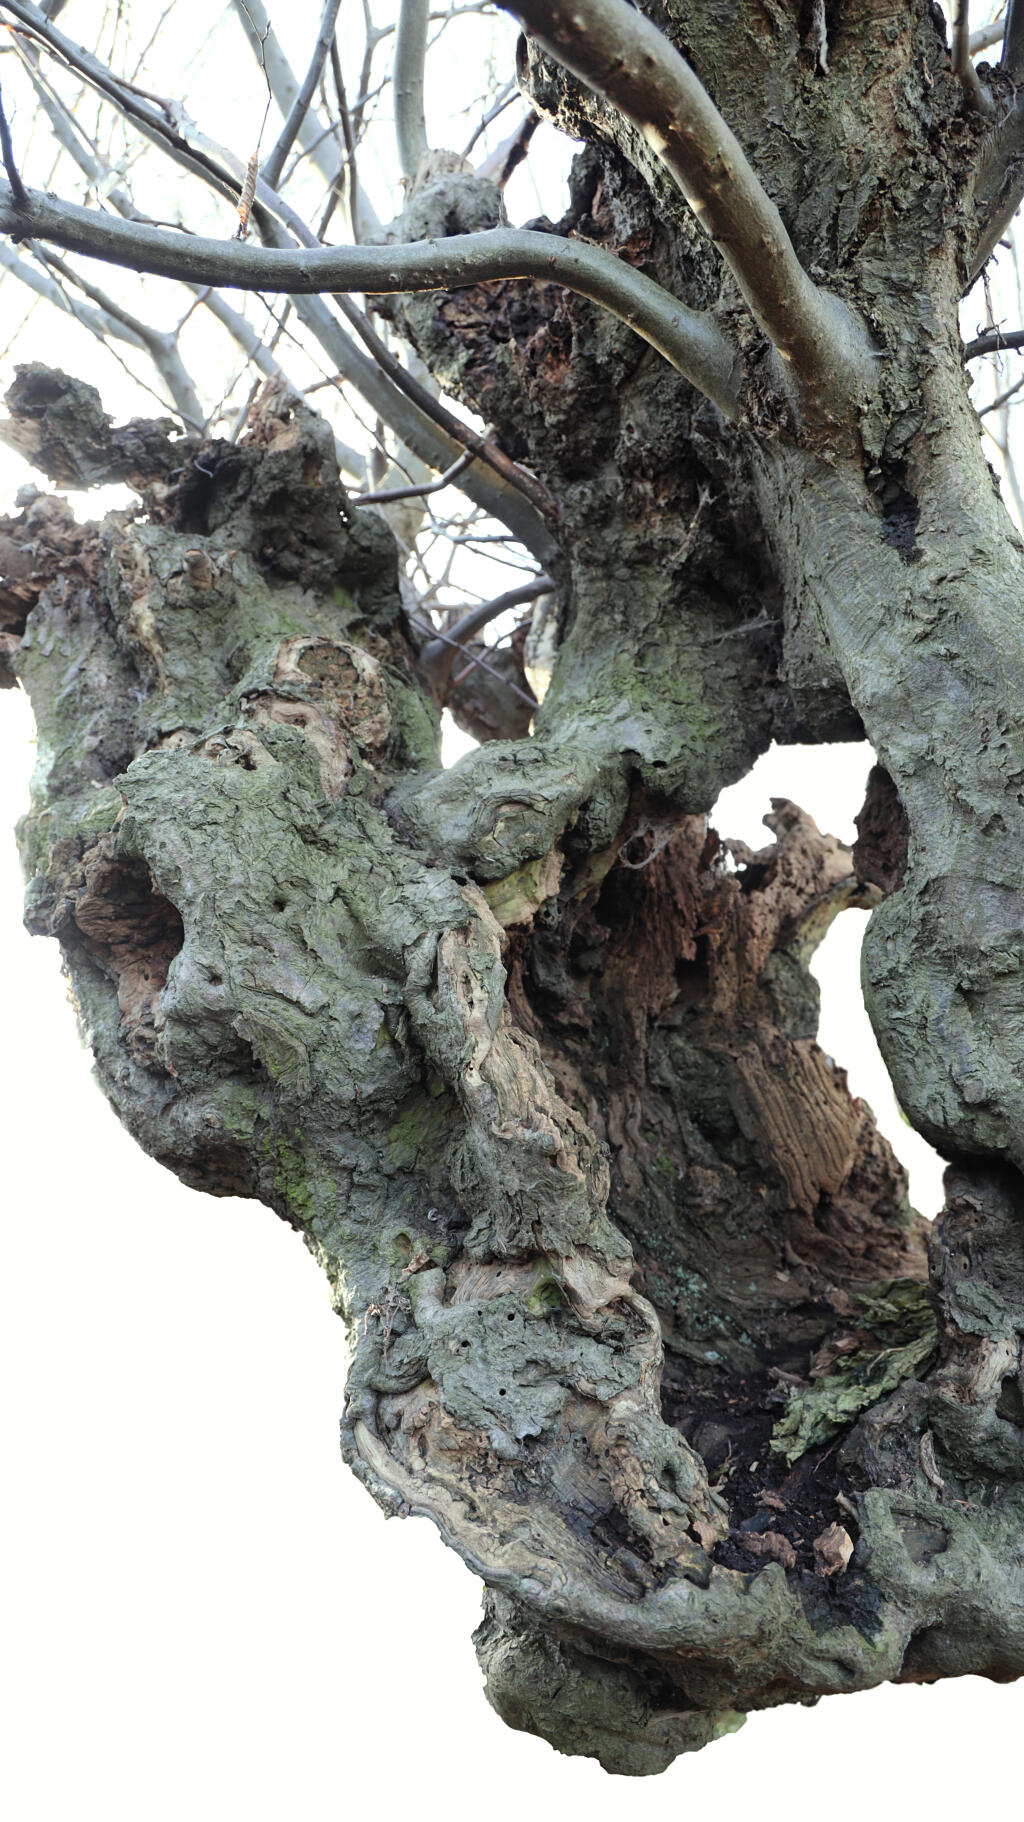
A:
[203, 1614]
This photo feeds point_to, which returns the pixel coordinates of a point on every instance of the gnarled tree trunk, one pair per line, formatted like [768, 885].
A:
[640, 1315]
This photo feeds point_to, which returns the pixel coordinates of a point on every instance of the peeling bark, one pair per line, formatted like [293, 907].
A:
[639, 1313]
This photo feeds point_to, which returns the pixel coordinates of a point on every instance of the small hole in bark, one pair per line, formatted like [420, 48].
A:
[501, 1391]
[1010, 1405]
[279, 903]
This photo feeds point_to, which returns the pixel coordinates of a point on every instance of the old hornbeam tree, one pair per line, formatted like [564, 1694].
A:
[640, 1316]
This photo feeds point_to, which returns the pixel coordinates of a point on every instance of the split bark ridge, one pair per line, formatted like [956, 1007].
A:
[640, 1315]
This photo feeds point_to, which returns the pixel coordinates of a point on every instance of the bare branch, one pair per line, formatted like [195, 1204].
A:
[617, 51]
[386, 495]
[438, 656]
[986, 36]
[151, 116]
[46, 287]
[1002, 399]
[161, 347]
[502, 100]
[1012, 58]
[18, 190]
[507, 157]
[407, 84]
[963, 68]
[297, 113]
[417, 426]
[689, 339]
[994, 341]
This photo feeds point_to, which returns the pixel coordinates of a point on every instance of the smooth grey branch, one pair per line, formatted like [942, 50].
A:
[407, 84]
[223, 170]
[689, 339]
[985, 36]
[161, 345]
[964, 69]
[40, 281]
[623, 57]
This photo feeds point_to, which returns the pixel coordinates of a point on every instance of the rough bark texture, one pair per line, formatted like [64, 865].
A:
[639, 1313]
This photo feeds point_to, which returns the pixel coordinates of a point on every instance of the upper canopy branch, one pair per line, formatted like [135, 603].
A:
[617, 51]
[689, 339]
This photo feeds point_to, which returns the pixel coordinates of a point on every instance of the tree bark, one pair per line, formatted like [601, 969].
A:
[639, 1313]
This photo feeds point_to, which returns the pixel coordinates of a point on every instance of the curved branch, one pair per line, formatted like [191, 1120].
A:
[689, 339]
[617, 52]
[416, 427]
[437, 656]
[963, 68]
[407, 84]
[160, 345]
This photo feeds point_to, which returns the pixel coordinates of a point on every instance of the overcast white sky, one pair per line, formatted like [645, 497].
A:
[204, 1615]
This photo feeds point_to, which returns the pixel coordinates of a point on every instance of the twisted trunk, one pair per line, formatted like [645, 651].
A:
[640, 1316]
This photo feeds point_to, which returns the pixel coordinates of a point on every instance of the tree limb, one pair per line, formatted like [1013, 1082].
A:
[274, 163]
[407, 84]
[1012, 57]
[963, 68]
[162, 347]
[994, 341]
[999, 185]
[219, 167]
[388, 495]
[617, 51]
[153, 121]
[689, 339]
[438, 654]
[18, 190]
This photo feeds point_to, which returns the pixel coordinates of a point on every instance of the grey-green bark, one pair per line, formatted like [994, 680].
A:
[640, 1315]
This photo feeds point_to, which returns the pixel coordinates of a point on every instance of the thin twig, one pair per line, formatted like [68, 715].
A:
[476, 659]
[1003, 399]
[18, 190]
[504, 99]
[385, 495]
[299, 109]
